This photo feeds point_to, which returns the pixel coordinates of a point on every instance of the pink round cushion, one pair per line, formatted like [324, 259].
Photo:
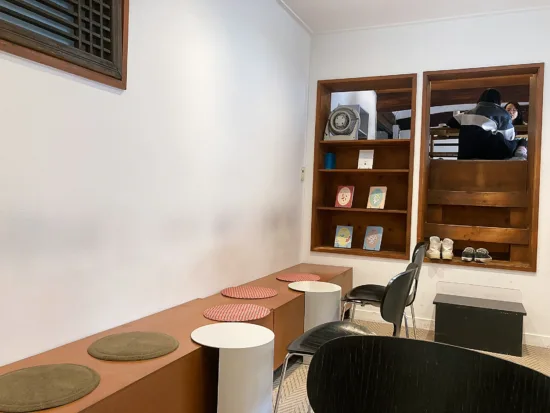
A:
[236, 312]
[249, 292]
[298, 277]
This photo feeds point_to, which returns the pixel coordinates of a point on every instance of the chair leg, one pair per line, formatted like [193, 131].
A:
[414, 320]
[406, 325]
[283, 374]
[343, 317]
[352, 315]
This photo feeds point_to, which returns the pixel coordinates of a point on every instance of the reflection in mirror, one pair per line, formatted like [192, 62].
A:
[381, 115]
[480, 123]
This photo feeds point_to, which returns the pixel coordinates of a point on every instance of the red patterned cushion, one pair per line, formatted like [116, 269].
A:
[249, 292]
[236, 312]
[298, 277]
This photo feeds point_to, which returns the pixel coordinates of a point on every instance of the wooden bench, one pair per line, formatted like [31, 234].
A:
[184, 381]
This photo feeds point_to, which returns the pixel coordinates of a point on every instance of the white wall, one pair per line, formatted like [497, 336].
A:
[433, 46]
[115, 205]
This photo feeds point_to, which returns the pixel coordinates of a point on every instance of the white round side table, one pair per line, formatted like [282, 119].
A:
[245, 381]
[322, 302]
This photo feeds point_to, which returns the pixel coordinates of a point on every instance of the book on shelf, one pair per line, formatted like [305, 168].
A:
[344, 235]
[344, 196]
[373, 238]
[377, 197]
[366, 159]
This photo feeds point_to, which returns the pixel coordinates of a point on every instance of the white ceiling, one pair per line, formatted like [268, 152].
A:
[336, 15]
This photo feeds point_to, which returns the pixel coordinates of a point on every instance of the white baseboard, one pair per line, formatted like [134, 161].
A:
[363, 314]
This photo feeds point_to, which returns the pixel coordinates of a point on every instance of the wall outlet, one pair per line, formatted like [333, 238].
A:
[303, 174]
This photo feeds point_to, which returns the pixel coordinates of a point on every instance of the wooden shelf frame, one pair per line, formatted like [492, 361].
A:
[366, 171]
[516, 236]
[397, 255]
[494, 264]
[395, 93]
[364, 210]
[516, 199]
[368, 143]
[484, 189]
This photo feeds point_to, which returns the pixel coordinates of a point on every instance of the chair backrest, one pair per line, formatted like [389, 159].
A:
[416, 248]
[395, 298]
[417, 258]
[419, 253]
[386, 374]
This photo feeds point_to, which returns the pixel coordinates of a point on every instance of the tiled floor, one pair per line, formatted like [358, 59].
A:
[294, 397]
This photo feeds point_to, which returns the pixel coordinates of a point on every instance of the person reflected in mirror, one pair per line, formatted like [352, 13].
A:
[515, 112]
[486, 132]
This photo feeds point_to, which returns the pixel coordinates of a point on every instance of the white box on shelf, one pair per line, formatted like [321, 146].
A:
[366, 159]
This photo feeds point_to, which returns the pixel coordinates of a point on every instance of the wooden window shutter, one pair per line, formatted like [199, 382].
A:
[89, 34]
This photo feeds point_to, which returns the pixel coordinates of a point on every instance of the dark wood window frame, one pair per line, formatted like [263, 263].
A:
[522, 233]
[108, 65]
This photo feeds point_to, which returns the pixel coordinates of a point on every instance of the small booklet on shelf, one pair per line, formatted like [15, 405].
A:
[344, 197]
[344, 235]
[377, 197]
[373, 238]
[366, 159]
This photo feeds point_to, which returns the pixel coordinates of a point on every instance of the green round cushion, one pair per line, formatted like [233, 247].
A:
[133, 346]
[45, 387]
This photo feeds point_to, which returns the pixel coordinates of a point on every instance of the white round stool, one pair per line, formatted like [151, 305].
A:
[245, 381]
[322, 302]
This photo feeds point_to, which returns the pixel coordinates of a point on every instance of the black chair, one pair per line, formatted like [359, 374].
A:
[385, 374]
[416, 251]
[371, 294]
[391, 309]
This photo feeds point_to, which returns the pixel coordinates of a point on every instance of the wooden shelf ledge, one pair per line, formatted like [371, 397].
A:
[399, 255]
[368, 143]
[494, 264]
[392, 91]
[485, 199]
[377, 83]
[515, 236]
[364, 210]
[366, 171]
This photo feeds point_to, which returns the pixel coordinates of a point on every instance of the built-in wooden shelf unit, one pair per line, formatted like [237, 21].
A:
[393, 166]
[482, 203]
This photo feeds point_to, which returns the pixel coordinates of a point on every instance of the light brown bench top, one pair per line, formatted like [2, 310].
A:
[178, 322]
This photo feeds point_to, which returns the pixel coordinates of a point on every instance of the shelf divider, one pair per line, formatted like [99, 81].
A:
[499, 264]
[516, 236]
[517, 199]
[400, 255]
[366, 171]
[363, 210]
[368, 143]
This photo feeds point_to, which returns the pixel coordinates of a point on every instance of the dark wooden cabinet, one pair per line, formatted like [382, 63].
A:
[480, 324]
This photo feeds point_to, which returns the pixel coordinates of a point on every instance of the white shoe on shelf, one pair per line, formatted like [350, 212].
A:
[447, 249]
[434, 252]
